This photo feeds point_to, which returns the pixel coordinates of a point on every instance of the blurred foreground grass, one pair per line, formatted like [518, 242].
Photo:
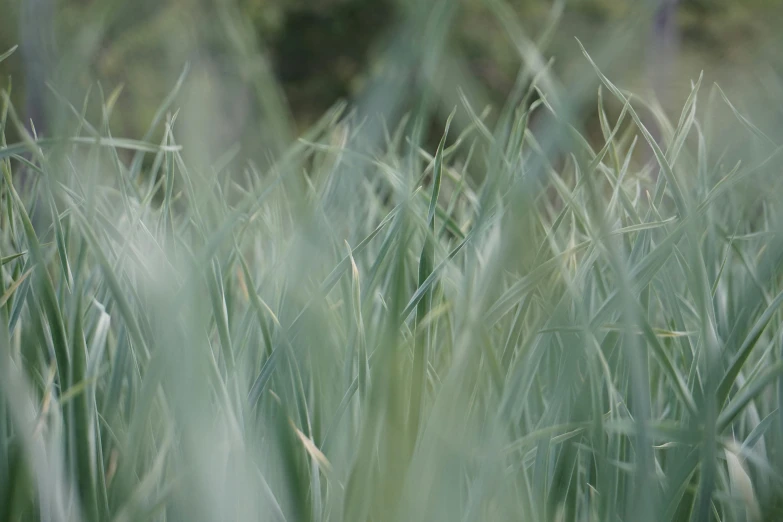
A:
[518, 325]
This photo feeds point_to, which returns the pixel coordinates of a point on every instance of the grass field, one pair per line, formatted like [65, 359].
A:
[516, 325]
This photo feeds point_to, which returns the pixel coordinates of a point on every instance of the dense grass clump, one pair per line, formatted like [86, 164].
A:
[517, 325]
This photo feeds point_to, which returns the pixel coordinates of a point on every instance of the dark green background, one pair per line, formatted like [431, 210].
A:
[324, 50]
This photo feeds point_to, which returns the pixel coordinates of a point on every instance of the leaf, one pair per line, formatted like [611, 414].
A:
[746, 348]
[8, 259]
[11, 289]
[8, 53]
[679, 199]
[438, 172]
[741, 484]
[747, 123]
[748, 393]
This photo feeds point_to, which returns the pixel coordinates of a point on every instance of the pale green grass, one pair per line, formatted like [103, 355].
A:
[516, 326]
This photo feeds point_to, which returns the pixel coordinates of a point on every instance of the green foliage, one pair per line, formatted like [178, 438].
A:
[522, 323]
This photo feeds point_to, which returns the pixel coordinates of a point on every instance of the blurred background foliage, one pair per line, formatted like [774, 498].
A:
[296, 58]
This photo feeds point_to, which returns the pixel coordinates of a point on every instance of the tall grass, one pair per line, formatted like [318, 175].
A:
[516, 325]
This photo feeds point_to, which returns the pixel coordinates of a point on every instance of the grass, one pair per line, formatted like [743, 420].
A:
[517, 325]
